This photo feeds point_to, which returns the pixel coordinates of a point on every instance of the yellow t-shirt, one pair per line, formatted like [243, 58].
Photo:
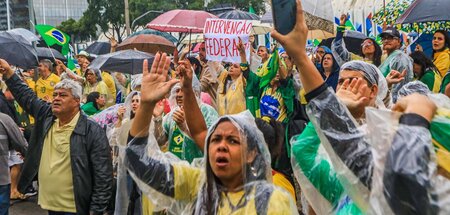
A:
[109, 81]
[233, 101]
[99, 87]
[281, 181]
[31, 84]
[44, 88]
[187, 181]
[55, 170]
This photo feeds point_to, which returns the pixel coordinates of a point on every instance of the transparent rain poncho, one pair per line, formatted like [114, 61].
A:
[118, 142]
[312, 165]
[353, 152]
[413, 87]
[179, 141]
[184, 189]
[406, 175]
[375, 77]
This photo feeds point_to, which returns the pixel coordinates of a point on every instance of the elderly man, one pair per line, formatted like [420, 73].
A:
[69, 153]
[208, 78]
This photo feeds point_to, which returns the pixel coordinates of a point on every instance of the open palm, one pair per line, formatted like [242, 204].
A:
[154, 82]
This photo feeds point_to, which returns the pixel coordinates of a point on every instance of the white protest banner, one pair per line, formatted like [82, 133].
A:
[222, 38]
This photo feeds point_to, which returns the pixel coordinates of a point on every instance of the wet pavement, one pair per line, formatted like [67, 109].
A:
[26, 207]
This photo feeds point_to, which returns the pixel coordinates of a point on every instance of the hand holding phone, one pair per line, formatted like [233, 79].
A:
[284, 15]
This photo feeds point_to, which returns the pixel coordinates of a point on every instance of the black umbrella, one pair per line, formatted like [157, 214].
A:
[99, 48]
[238, 14]
[17, 51]
[49, 53]
[426, 11]
[126, 61]
[352, 39]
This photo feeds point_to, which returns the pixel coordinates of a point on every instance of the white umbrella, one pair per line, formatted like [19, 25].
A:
[195, 38]
[319, 17]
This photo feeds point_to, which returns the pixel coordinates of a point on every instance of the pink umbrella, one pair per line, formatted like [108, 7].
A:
[182, 21]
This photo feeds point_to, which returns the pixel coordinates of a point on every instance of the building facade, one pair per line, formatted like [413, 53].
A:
[14, 14]
[53, 12]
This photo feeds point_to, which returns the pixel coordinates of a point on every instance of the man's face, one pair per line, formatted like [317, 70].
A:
[390, 43]
[202, 52]
[64, 102]
[366, 91]
[42, 68]
[179, 97]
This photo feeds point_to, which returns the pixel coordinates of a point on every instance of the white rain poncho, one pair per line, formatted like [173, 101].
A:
[179, 142]
[351, 152]
[399, 61]
[375, 77]
[118, 142]
[413, 87]
[184, 189]
[312, 165]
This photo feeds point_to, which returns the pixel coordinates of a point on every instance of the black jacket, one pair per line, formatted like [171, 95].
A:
[89, 152]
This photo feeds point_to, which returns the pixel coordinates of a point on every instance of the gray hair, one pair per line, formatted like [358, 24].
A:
[71, 85]
[47, 63]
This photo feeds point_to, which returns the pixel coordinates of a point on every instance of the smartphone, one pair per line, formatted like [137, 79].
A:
[284, 14]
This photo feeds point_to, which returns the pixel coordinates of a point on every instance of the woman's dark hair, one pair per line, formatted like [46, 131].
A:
[92, 97]
[446, 40]
[132, 114]
[273, 132]
[335, 66]
[196, 62]
[421, 59]
[377, 54]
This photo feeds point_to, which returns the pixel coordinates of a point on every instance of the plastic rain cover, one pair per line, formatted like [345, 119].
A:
[239, 152]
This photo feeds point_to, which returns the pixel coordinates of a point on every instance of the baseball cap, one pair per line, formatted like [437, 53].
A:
[390, 31]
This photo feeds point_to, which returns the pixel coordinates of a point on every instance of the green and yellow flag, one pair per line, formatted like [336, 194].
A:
[53, 36]
[440, 132]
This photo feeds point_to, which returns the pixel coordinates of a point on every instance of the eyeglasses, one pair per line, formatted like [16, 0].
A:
[368, 43]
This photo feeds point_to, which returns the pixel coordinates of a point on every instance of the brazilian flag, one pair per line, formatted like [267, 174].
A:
[53, 36]
[440, 132]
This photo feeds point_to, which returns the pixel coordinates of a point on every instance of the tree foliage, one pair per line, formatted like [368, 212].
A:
[243, 5]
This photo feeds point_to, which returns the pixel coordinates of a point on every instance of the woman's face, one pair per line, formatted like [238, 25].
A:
[225, 153]
[91, 77]
[100, 101]
[262, 52]
[438, 41]
[235, 70]
[327, 61]
[417, 69]
[135, 102]
[368, 47]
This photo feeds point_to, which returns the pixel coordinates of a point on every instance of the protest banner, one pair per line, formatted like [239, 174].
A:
[222, 38]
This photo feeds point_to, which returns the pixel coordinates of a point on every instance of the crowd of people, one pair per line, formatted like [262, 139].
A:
[290, 132]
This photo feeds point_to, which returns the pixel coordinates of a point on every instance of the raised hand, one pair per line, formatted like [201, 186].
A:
[121, 112]
[342, 19]
[5, 69]
[350, 93]
[186, 73]
[295, 41]
[154, 82]
[418, 104]
[395, 77]
[159, 108]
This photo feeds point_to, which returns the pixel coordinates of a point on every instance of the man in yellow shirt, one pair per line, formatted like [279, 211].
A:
[69, 154]
[47, 80]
